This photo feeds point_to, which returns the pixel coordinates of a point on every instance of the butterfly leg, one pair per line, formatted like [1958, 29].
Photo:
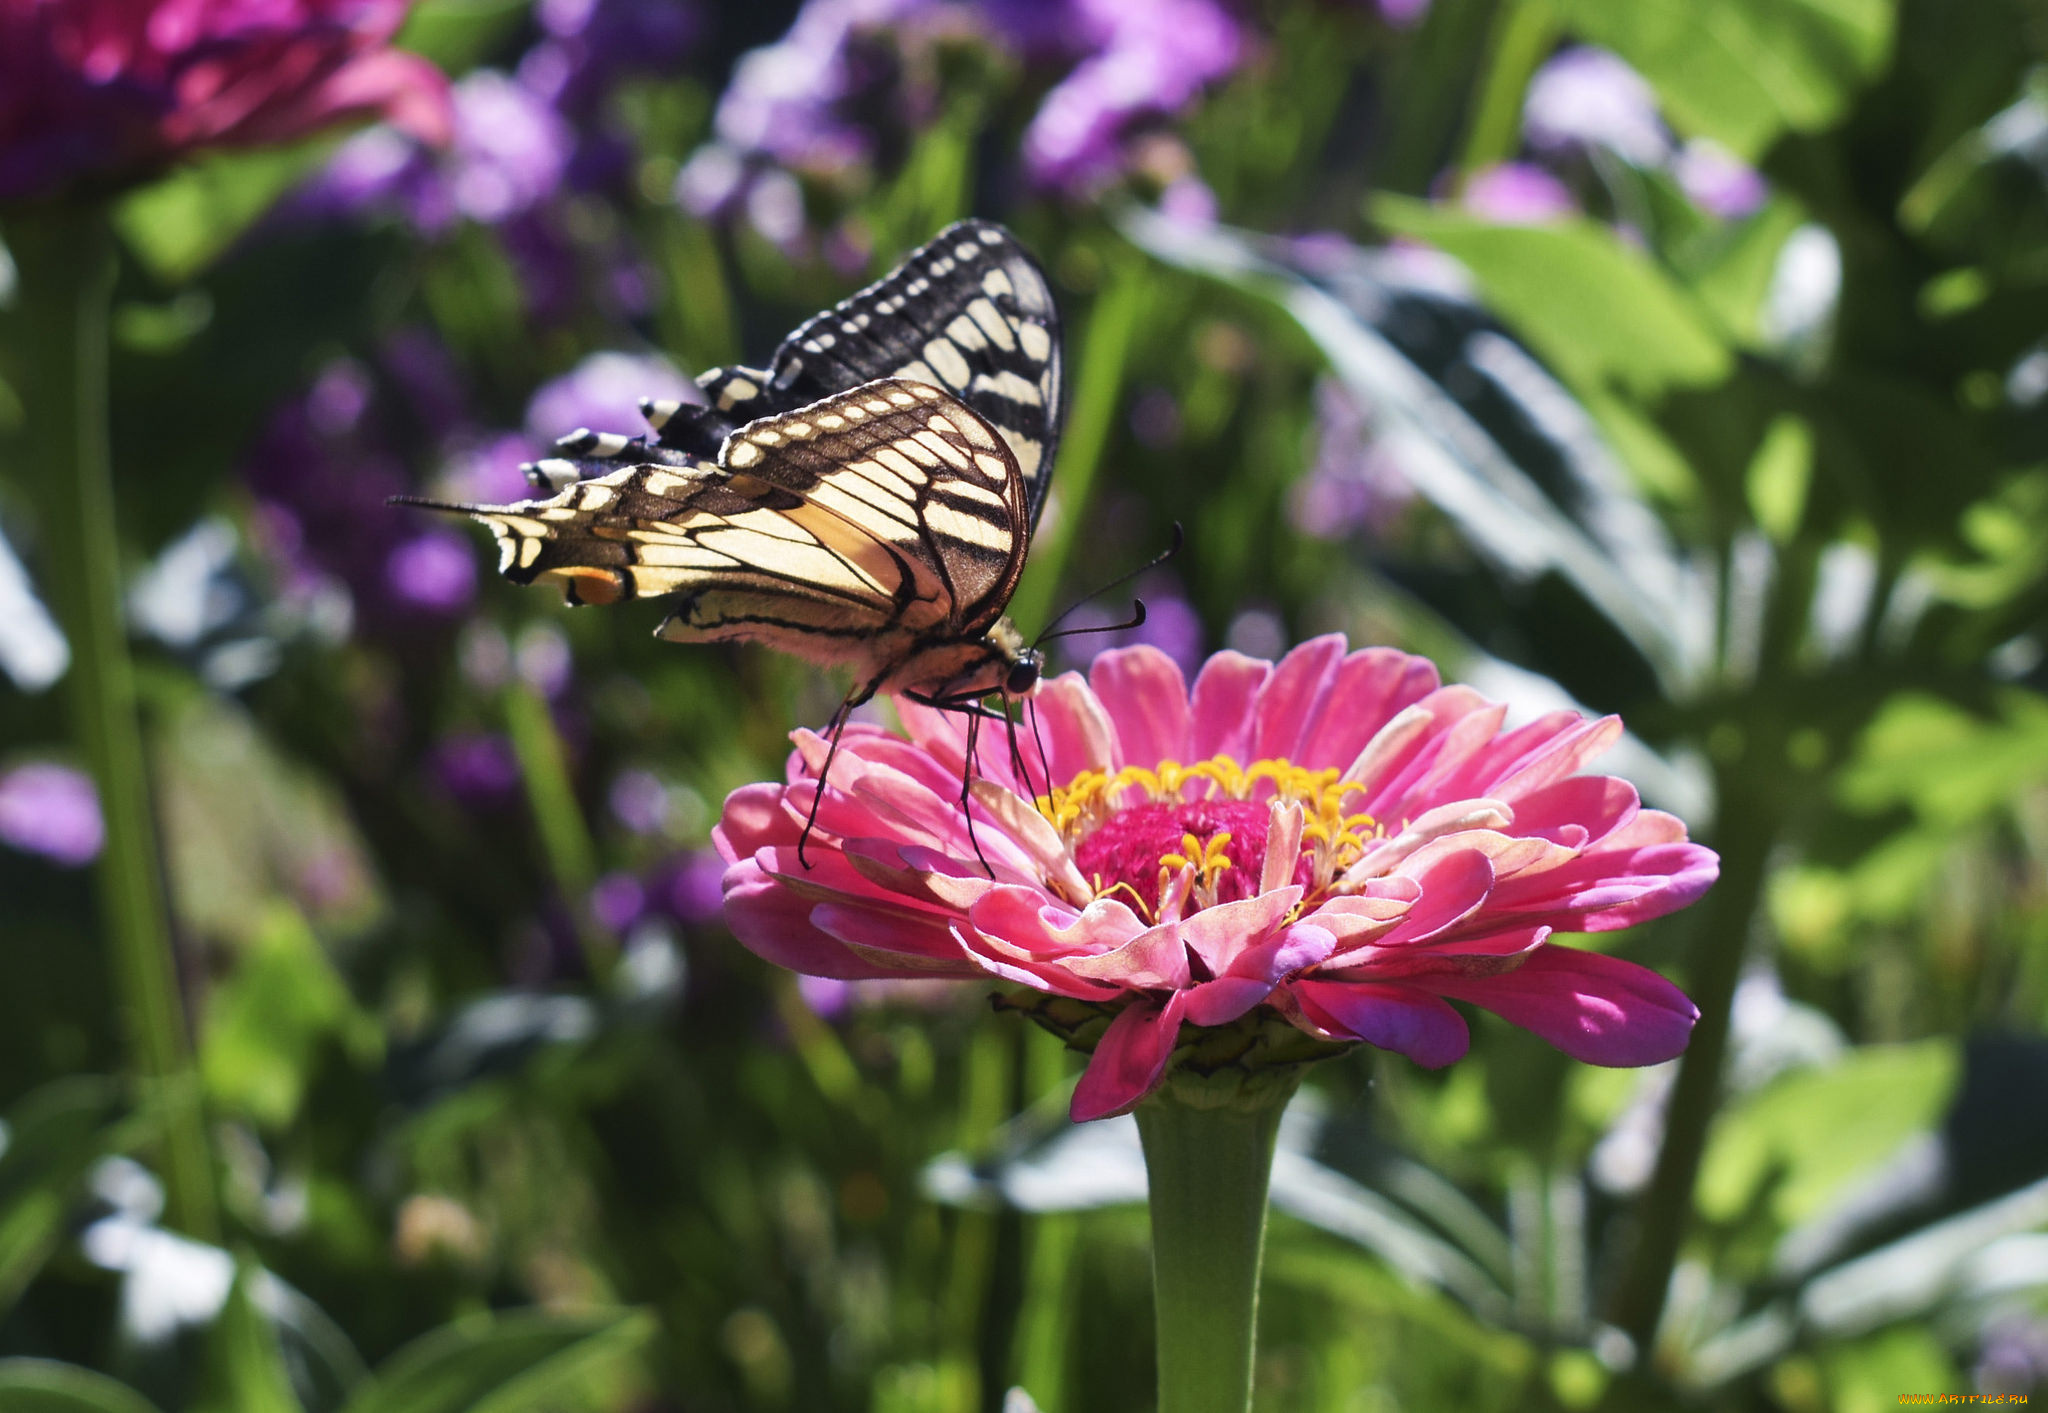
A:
[967, 785]
[976, 711]
[835, 730]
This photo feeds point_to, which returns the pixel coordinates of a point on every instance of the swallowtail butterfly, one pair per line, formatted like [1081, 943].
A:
[865, 501]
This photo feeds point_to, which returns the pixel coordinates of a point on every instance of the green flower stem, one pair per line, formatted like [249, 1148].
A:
[1722, 925]
[1208, 1159]
[551, 795]
[1098, 389]
[1523, 33]
[66, 260]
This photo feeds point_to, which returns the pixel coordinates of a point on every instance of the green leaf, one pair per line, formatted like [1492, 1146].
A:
[46, 1386]
[1950, 766]
[53, 1137]
[244, 1370]
[1743, 71]
[181, 224]
[1598, 311]
[1818, 1129]
[500, 1364]
[266, 1020]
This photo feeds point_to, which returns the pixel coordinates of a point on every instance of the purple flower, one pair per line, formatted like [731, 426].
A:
[693, 890]
[487, 471]
[1353, 484]
[1717, 181]
[511, 148]
[434, 572]
[1585, 98]
[510, 152]
[618, 901]
[1171, 625]
[603, 393]
[639, 801]
[1189, 200]
[1516, 194]
[1149, 60]
[592, 44]
[51, 810]
[784, 99]
[477, 768]
[1403, 14]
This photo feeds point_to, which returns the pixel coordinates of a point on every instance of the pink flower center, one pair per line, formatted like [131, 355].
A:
[1138, 833]
[1133, 846]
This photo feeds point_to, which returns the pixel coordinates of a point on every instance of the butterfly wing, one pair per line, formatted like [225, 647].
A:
[968, 312]
[862, 528]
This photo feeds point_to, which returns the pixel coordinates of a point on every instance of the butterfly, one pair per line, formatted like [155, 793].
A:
[866, 501]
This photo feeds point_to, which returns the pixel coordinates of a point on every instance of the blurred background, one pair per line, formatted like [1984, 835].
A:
[1681, 361]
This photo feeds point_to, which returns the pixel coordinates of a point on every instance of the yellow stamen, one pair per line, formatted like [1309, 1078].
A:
[1333, 836]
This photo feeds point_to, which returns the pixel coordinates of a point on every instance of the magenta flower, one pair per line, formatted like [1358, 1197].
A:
[51, 810]
[1335, 836]
[110, 91]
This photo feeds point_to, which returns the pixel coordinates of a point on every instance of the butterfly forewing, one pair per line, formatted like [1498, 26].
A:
[969, 312]
[864, 528]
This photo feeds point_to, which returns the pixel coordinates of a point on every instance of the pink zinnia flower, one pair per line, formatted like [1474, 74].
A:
[1334, 836]
[105, 92]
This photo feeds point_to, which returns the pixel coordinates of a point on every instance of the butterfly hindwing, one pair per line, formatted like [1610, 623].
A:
[968, 312]
[854, 529]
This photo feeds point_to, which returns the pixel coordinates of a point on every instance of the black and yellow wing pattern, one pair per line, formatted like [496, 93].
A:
[969, 312]
[883, 527]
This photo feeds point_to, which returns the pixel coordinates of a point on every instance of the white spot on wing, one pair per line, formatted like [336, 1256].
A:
[946, 360]
[992, 323]
[1009, 385]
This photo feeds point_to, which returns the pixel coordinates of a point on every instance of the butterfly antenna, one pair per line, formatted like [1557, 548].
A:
[1136, 620]
[1179, 539]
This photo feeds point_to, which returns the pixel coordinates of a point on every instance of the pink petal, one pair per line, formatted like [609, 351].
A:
[1038, 927]
[1448, 821]
[1426, 782]
[1033, 836]
[1599, 803]
[774, 924]
[1130, 1059]
[1075, 729]
[753, 818]
[888, 940]
[1369, 688]
[1226, 692]
[1398, 1018]
[923, 875]
[1256, 972]
[1390, 750]
[1147, 700]
[1285, 825]
[1355, 920]
[1218, 934]
[1454, 884]
[1593, 1007]
[1480, 770]
[1291, 697]
[1392, 784]
[1153, 960]
[1603, 891]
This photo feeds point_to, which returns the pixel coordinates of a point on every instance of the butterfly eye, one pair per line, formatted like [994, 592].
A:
[1023, 673]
